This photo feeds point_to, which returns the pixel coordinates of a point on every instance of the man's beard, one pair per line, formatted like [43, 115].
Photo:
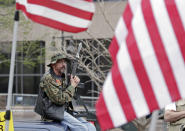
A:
[62, 70]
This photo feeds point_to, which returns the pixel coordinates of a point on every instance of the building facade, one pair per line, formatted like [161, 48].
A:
[27, 78]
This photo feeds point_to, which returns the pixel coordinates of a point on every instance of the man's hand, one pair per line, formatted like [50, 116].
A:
[74, 81]
[172, 116]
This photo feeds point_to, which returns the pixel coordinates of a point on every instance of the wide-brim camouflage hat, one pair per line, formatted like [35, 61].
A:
[57, 57]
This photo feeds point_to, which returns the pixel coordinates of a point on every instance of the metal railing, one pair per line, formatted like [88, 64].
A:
[30, 99]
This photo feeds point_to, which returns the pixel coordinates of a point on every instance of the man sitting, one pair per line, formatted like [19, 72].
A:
[53, 85]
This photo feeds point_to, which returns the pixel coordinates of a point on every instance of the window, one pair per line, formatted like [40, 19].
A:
[29, 66]
[7, 2]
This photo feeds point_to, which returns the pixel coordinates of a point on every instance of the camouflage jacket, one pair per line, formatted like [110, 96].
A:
[55, 88]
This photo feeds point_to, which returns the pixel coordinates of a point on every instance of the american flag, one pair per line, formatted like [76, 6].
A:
[148, 53]
[66, 15]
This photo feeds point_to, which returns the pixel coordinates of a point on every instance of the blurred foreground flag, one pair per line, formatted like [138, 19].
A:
[66, 15]
[149, 68]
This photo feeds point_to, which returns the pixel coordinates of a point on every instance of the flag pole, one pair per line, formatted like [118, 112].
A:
[154, 121]
[11, 74]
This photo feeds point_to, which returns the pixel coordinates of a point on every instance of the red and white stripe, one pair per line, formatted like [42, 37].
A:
[67, 15]
[122, 27]
[149, 68]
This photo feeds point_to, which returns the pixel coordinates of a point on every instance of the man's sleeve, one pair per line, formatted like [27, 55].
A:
[55, 93]
[171, 106]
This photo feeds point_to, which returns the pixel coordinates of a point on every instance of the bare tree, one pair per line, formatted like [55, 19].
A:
[94, 59]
